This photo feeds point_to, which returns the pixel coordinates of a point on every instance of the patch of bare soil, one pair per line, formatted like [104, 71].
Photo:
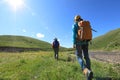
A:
[17, 49]
[111, 57]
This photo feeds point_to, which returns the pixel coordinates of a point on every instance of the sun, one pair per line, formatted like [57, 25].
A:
[15, 4]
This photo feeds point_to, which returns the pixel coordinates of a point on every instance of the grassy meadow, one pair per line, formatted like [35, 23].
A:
[41, 65]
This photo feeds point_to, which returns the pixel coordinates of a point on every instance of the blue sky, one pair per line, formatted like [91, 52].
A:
[47, 19]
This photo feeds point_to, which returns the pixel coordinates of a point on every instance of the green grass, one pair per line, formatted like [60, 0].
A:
[110, 41]
[43, 66]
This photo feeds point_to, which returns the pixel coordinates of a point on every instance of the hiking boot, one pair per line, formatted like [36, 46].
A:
[90, 75]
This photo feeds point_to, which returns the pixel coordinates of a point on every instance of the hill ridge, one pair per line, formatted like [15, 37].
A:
[109, 41]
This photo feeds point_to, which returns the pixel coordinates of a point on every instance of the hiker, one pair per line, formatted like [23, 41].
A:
[81, 47]
[55, 46]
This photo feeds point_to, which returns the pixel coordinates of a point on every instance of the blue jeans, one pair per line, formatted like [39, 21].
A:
[82, 50]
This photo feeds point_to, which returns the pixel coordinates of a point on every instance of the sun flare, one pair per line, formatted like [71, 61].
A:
[15, 4]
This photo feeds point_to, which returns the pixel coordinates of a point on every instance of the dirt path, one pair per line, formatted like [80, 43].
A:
[112, 57]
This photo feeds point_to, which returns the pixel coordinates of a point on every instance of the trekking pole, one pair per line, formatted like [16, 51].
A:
[93, 30]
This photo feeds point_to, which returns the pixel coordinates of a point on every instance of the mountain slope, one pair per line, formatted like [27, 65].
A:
[23, 42]
[109, 41]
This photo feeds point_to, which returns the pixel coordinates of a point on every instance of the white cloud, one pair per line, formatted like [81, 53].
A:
[39, 35]
[23, 30]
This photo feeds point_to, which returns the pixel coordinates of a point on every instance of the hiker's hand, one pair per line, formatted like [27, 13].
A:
[74, 46]
[90, 42]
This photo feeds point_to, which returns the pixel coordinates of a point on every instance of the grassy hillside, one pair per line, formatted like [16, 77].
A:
[42, 66]
[25, 42]
[22, 41]
[109, 41]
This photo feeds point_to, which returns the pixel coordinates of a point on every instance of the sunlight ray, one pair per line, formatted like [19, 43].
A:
[15, 4]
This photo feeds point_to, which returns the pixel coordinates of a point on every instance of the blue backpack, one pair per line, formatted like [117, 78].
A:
[55, 44]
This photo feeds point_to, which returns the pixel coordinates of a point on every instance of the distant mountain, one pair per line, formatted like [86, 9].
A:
[110, 41]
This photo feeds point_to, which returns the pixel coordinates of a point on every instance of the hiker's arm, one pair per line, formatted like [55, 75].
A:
[59, 45]
[74, 35]
[52, 45]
